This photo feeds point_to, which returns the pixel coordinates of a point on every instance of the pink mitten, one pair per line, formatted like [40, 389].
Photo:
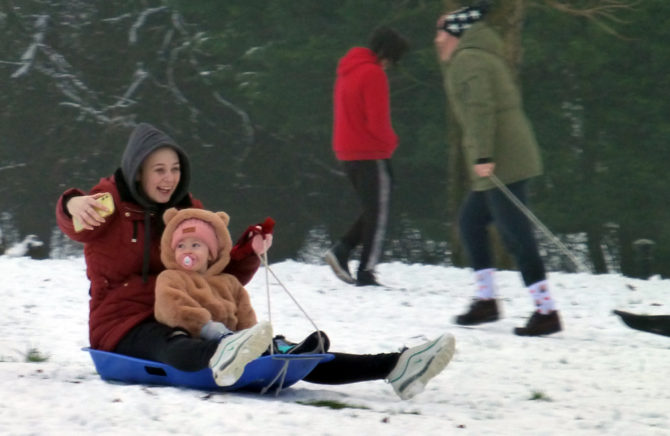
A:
[256, 239]
[261, 243]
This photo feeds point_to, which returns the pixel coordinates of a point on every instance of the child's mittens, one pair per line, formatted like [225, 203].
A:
[214, 330]
[261, 243]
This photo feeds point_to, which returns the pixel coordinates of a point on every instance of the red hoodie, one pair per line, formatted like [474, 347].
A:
[362, 127]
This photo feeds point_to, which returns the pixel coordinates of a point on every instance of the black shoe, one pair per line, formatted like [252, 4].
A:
[480, 311]
[338, 259]
[539, 324]
[310, 345]
[366, 278]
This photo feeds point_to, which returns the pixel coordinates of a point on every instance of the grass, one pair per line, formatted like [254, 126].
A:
[331, 404]
[34, 356]
[539, 396]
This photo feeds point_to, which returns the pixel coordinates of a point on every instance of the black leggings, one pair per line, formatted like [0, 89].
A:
[154, 341]
[482, 208]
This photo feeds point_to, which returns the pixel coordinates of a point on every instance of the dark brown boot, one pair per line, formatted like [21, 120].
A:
[539, 324]
[480, 311]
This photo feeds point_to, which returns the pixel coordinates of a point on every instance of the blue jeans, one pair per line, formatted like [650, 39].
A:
[481, 208]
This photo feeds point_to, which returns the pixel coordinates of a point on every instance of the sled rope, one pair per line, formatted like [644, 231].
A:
[513, 198]
[268, 270]
[281, 374]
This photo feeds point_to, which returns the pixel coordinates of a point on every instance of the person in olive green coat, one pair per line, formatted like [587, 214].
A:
[497, 139]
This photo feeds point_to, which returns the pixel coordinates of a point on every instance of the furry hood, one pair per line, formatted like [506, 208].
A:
[218, 220]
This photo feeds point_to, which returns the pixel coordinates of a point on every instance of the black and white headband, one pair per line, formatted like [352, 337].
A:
[458, 21]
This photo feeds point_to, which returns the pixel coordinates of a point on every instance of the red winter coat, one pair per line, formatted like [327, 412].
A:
[120, 299]
[362, 127]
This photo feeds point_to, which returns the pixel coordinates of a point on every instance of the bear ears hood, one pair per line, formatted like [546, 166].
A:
[218, 220]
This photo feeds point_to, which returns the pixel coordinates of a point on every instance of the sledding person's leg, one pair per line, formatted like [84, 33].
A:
[157, 342]
[473, 224]
[353, 368]
[517, 234]
[227, 357]
[407, 371]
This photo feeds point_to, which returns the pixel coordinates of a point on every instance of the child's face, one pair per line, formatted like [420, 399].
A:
[192, 254]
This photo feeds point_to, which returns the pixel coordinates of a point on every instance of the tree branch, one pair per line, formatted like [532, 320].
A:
[601, 12]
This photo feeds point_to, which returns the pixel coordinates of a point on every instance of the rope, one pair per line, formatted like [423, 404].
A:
[268, 270]
[264, 259]
[578, 264]
[281, 375]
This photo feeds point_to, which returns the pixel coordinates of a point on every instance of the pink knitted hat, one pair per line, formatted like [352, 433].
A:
[197, 228]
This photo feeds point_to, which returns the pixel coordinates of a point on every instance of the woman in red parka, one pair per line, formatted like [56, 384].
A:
[123, 262]
[123, 258]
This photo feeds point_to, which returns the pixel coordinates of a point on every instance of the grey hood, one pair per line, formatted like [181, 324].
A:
[142, 142]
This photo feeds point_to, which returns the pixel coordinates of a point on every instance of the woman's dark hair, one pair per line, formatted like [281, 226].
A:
[388, 44]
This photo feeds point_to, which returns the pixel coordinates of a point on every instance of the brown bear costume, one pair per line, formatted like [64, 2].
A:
[188, 299]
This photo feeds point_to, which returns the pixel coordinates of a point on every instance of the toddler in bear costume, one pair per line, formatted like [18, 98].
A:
[194, 293]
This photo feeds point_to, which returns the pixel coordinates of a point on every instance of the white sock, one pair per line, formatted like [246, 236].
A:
[485, 286]
[542, 297]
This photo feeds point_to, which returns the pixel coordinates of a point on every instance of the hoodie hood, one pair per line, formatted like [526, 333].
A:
[144, 140]
[354, 58]
[218, 220]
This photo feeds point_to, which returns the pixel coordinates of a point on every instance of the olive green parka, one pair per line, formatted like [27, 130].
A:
[486, 103]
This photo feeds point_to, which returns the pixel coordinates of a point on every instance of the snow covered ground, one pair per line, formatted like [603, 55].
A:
[596, 377]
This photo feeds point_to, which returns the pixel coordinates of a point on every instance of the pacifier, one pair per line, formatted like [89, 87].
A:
[187, 261]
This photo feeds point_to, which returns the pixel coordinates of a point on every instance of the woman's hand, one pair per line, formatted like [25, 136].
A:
[86, 210]
[485, 169]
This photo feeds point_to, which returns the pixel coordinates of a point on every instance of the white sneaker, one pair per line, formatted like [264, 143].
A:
[238, 349]
[419, 364]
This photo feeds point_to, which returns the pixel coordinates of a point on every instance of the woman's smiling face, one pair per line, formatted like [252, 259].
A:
[160, 174]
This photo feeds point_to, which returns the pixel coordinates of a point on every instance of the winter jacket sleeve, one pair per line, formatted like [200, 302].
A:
[243, 261]
[64, 220]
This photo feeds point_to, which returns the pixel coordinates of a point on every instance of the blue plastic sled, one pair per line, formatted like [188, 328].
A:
[277, 371]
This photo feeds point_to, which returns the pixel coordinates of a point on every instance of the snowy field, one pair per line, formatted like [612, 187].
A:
[596, 377]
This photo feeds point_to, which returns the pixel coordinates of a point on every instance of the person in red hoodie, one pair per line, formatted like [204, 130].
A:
[364, 141]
